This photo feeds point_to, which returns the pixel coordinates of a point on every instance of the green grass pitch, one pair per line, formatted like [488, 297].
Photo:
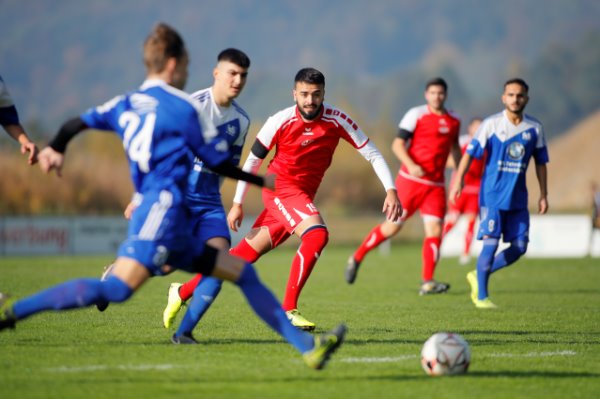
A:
[542, 342]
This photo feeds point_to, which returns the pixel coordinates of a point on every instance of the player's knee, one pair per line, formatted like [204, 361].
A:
[520, 247]
[317, 237]
[114, 289]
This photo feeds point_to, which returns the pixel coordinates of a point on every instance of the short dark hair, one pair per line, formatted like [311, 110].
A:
[161, 44]
[437, 81]
[233, 55]
[310, 75]
[517, 81]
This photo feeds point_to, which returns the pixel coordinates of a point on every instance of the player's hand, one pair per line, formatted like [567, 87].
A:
[270, 181]
[33, 152]
[51, 160]
[542, 205]
[129, 210]
[415, 170]
[235, 217]
[455, 192]
[392, 207]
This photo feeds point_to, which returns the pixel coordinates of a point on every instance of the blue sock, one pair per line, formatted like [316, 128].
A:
[204, 295]
[484, 265]
[264, 303]
[510, 255]
[73, 294]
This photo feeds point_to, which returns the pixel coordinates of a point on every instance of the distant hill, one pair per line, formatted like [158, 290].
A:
[574, 163]
[60, 57]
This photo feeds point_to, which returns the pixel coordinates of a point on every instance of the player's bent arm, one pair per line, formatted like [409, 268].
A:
[541, 172]
[17, 132]
[52, 157]
[252, 165]
[391, 204]
[235, 216]
[380, 166]
[399, 150]
[455, 152]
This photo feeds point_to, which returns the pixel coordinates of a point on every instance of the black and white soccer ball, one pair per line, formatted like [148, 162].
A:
[445, 354]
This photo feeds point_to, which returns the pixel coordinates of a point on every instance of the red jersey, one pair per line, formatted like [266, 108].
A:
[304, 150]
[430, 143]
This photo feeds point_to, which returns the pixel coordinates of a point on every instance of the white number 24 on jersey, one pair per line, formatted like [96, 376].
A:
[138, 140]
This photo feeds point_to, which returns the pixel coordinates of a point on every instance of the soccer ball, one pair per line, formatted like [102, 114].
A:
[445, 354]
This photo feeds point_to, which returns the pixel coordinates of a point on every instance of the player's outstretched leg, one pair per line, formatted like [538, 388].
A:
[7, 316]
[72, 294]
[203, 297]
[351, 271]
[315, 350]
[325, 345]
[371, 241]
[102, 305]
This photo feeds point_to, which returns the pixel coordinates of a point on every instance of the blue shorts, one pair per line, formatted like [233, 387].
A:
[209, 222]
[508, 225]
[160, 233]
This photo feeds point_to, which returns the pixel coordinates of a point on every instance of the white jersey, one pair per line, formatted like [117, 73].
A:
[232, 124]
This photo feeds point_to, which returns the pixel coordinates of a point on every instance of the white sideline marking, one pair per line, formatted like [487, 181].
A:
[101, 367]
[409, 357]
[534, 354]
[378, 359]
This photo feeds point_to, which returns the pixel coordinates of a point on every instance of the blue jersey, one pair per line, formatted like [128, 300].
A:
[509, 149]
[232, 125]
[161, 128]
[8, 112]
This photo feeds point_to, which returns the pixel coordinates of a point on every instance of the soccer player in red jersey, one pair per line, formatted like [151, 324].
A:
[305, 137]
[468, 203]
[427, 135]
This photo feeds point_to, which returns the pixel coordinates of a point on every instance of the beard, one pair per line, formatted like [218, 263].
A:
[310, 115]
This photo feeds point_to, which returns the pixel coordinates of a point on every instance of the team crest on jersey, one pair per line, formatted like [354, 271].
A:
[231, 130]
[516, 151]
[443, 128]
[526, 135]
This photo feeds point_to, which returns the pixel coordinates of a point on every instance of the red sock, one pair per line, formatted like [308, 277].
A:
[245, 251]
[431, 253]
[469, 236]
[187, 290]
[447, 227]
[309, 251]
[373, 239]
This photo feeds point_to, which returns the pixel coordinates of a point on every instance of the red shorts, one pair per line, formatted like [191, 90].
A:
[466, 203]
[429, 199]
[284, 210]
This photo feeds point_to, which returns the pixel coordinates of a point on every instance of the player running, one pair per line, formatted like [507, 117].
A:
[204, 197]
[509, 139]
[161, 127]
[468, 203]
[427, 135]
[305, 137]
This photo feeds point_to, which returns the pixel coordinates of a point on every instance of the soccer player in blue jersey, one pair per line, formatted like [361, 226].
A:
[161, 129]
[204, 197]
[511, 138]
[9, 119]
